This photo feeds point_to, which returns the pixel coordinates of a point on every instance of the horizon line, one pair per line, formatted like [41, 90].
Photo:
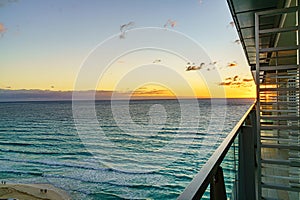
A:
[131, 99]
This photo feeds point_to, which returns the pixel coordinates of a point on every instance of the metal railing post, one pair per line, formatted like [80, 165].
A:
[247, 169]
[217, 186]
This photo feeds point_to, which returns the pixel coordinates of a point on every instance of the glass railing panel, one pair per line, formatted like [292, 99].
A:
[223, 165]
[230, 169]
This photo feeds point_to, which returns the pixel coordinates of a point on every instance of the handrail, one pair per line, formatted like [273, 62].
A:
[200, 182]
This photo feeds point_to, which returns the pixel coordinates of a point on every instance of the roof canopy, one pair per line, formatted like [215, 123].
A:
[243, 12]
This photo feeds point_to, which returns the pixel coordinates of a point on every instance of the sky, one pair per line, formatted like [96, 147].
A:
[50, 48]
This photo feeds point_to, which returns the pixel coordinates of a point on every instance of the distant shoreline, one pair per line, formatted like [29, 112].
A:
[8, 95]
[134, 99]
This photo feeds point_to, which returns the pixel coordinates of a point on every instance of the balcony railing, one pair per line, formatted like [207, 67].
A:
[212, 172]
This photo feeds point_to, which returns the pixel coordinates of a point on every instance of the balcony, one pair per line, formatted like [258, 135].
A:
[260, 157]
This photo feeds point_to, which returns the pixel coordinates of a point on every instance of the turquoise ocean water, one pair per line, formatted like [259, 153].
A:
[154, 155]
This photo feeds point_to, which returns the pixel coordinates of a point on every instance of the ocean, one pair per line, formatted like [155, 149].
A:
[141, 149]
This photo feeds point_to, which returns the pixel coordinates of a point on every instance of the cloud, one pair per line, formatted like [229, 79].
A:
[124, 28]
[231, 24]
[152, 93]
[236, 78]
[232, 64]
[191, 67]
[23, 95]
[225, 83]
[237, 41]
[157, 61]
[171, 23]
[50, 95]
[145, 91]
[2, 29]
[236, 81]
[248, 79]
[213, 63]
